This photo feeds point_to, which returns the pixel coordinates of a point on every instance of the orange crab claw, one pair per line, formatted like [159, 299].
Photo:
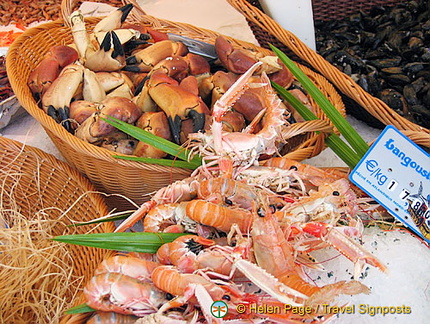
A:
[178, 104]
[235, 60]
[155, 123]
[49, 68]
[145, 59]
[239, 60]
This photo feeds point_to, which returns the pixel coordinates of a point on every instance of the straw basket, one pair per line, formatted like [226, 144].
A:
[132, 179]
[267, 31]
[39, 181]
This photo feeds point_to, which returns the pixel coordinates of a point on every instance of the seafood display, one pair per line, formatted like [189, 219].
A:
[140, 76]
[386, 53]
[249, 226]
[250, 221]
[238, 233]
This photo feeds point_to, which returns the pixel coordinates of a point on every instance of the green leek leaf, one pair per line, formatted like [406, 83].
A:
[342, 150]
[130, 242]
[102, 220]
[82, 308]
[350, 134]
[339, 147]
[156, 141]
[296, 103]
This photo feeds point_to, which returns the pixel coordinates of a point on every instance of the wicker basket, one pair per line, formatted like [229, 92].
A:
[329, 10]
[129, 178]
[38, 180]
[267, 31]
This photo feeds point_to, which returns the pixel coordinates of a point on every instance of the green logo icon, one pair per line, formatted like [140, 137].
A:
[219, 309]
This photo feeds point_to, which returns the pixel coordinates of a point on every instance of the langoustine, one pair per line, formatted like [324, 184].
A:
[201, 263]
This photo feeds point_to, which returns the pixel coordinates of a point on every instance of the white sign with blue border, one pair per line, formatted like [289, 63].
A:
[396, 173]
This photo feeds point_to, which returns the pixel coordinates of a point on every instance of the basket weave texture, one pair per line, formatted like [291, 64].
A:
[40, 181]
[129, 178]
[268, 30]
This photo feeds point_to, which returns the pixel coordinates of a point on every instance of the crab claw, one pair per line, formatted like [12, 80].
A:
[114, 19]
[155, 123]
[145, 59]
[178, 103]
[109, 57]
[94, 128]
[41, 78]
[57, 98]
[175, 123]
[239, 60]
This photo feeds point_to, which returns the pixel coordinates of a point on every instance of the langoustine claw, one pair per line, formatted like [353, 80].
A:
[345, 245]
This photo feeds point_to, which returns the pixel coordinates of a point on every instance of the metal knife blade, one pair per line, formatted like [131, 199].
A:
[195, 46]
[10, 110]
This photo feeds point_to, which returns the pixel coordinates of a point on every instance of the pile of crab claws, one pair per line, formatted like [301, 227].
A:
[115, 19]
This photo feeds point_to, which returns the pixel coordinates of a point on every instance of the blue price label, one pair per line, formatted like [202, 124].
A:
[396, 173]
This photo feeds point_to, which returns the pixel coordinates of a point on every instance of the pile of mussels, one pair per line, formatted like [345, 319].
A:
[387, 52]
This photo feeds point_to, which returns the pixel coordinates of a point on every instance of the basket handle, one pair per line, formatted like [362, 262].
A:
[344, 83]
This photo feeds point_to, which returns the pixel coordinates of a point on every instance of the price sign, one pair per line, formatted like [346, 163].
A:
[396, 173]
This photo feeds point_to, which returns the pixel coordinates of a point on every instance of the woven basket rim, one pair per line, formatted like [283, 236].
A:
[11, 145]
